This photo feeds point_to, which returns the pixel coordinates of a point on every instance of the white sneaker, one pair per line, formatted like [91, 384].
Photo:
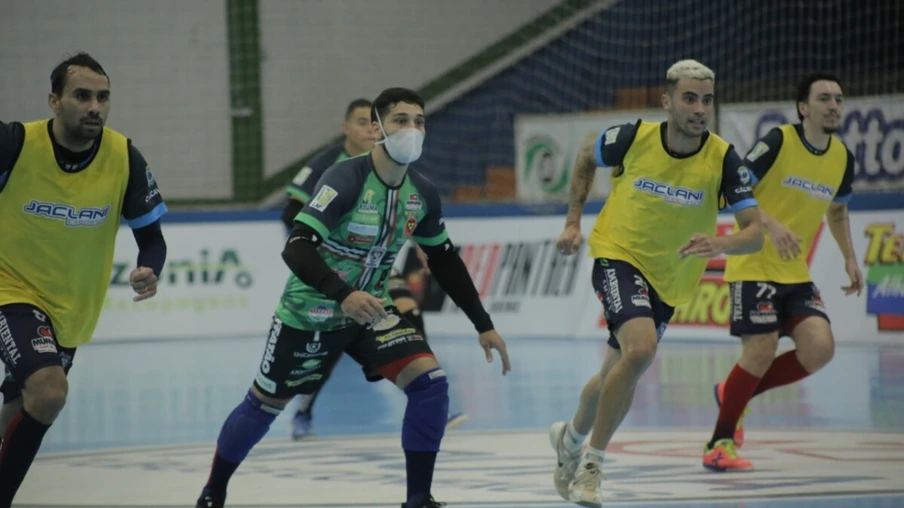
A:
[567, 463]
[585, 490]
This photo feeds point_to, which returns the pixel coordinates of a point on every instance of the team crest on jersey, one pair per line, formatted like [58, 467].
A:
[813, 189]
[72, 216]
[670, 194]
[410, 226]
[744, 175]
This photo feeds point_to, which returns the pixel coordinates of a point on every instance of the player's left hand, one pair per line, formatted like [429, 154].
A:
[143, 282]
[853, 271]
[490, 340]
[702, 246]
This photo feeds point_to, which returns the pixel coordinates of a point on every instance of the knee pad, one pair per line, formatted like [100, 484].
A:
[428, 409]
[245, 427]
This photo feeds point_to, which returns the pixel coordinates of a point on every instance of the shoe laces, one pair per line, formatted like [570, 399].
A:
[728, 446]
[433, 503]
[590, 471]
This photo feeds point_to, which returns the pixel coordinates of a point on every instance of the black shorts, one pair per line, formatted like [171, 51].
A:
[28, 343]
[759, 307]
[300, 361]
[398, 288]
[626, 294]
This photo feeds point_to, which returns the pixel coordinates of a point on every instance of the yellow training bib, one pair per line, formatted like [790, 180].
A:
[58, 231]
[655, 205]
[796, 191]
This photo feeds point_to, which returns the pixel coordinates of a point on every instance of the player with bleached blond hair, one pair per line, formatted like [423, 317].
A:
[649, 244]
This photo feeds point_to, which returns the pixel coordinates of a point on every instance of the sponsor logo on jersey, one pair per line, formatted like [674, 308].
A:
[670, 194]
[320, 313]
[352, 238]
[814, 190]
[363, 229]
[70, 215]
[413, 203]
[757, 151]
[324, 197]
[368, 208]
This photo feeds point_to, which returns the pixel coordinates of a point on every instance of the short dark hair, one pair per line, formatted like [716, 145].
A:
[60, 74]
[803, 88]
[355, 104]
[387, 98]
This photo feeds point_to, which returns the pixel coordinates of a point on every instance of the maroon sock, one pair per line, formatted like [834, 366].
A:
[784, 370]
[739, 387]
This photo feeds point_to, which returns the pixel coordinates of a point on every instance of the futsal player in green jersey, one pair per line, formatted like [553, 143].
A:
[340, 252]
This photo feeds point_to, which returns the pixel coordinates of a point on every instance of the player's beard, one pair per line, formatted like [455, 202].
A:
[84, 132]
[685, 130]
[830, 130]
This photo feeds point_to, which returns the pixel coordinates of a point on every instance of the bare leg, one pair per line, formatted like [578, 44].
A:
[638, 341]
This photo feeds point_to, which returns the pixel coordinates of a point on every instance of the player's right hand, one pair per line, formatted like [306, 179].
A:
[785, 241]
[363, 307]
[570, 240]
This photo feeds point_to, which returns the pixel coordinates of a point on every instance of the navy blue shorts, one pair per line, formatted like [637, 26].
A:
[760, 307]
[28, 343]
[626, 294]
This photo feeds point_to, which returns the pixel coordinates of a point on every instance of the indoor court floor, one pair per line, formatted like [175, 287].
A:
[142, 419]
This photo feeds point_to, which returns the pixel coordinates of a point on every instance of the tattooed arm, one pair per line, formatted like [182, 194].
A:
[608, 150]
[581, 182]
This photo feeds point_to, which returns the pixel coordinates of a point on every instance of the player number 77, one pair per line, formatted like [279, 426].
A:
[764, 291]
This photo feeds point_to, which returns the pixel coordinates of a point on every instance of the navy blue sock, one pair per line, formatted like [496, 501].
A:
[245, 427]
[23, 439]
[423, 430]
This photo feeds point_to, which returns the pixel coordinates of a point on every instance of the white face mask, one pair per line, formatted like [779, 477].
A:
[404, 145]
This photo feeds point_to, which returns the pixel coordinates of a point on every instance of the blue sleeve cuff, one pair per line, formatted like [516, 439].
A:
[148, 218]
[744, 203]
[843, 199]
[598, 150]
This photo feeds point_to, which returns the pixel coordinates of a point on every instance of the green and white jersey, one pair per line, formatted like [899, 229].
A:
[363, 224]
[303, 184]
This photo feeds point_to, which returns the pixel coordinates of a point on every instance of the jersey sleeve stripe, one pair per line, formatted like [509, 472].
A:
[148, 218]
[744, 203]
[598, 150]
[843, 199]
[431, 242]
[295, 191]
[314, 223]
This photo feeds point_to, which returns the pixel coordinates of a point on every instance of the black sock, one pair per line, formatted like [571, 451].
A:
[220, 472]
[21, 443]
[419, 469]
